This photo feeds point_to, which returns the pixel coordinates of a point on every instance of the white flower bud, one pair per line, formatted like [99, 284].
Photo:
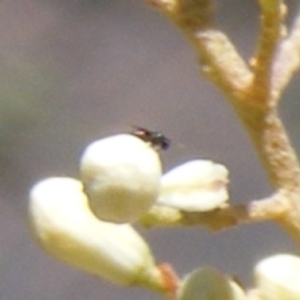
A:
[198, 185]
[278, 277]
[121, 177]
[65, 227]
[208, 283]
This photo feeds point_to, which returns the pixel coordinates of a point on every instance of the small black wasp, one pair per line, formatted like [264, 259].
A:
[155, 138]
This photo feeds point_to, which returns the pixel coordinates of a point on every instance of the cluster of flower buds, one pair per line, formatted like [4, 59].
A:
[86, 222]
[276, 278]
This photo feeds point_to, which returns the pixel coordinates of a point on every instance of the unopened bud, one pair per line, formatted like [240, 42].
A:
[121, 177]
[198, 185]
[278, 277]
[65, 227]
[208, 283]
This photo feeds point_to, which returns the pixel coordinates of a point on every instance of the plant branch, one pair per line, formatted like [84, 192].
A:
[287, 60]
[265, 209]
[254, 94]
[270, 33]
[273, 146]
[219, 60]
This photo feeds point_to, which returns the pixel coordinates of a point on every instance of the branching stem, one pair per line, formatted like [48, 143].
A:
[253, 91]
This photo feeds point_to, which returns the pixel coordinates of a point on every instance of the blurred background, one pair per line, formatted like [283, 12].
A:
[73, 71]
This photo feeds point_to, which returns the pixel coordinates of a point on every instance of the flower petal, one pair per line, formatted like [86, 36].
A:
[121, 177]
[208, 283]
[66, 228]
[198, 185]
[278, 277]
